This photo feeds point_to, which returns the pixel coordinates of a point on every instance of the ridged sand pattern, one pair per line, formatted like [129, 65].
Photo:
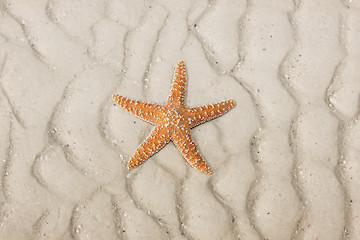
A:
[285, 160]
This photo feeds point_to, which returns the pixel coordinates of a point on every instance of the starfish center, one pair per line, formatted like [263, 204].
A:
[173, 117]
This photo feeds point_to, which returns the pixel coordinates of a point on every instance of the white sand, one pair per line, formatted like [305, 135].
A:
[286, 159]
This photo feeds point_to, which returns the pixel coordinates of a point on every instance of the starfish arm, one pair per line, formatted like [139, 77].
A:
[157, 139]
[205, 113]
[178, 87]
[145, 111]
[183, 141]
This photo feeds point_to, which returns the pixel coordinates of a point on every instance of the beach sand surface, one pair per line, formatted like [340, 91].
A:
[285, 160]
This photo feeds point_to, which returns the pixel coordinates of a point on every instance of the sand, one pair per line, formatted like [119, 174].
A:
[286, 159]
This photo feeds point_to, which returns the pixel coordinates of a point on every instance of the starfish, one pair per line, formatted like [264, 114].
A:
[172, 121]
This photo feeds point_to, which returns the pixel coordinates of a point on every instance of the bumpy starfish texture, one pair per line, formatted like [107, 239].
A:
[172, 121]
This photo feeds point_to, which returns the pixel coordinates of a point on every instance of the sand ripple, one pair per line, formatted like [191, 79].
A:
[286, 159]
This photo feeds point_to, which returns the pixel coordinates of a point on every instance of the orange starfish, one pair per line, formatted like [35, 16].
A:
[172, 121]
